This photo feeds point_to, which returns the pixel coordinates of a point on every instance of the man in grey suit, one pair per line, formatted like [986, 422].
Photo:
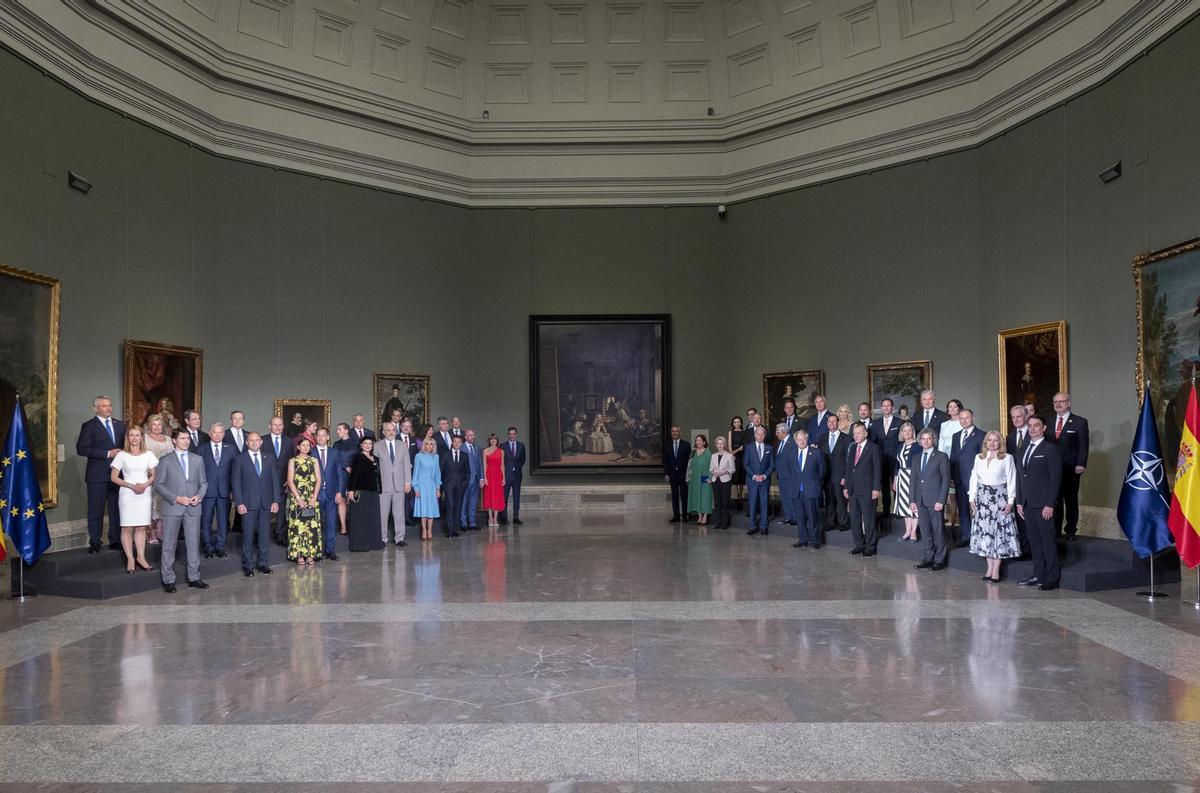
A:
[930, 478]
[395, 479]
[181, 484]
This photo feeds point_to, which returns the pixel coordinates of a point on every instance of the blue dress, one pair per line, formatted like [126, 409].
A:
[426, 479]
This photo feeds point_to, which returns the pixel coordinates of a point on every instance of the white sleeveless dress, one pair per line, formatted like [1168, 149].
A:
[136, 508]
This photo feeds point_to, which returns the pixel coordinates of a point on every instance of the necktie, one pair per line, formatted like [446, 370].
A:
[1058, 427]
[237, 436]
[391, 451]
[966, 435]
[675, 448]
[832, 442]
[217, 453]
[760, 451]
[513, 445]
[183, 462]
[803, 457]
[276, 441]
[321, 454]
[780, 447]
[928, 417]
[257, 465]
[456, 457]
[857, 454]
[924, 461]
[195, 440]
[1028, 454]
[111, 435]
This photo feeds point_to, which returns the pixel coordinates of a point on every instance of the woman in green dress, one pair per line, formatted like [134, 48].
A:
[700, 492]
[303, 512]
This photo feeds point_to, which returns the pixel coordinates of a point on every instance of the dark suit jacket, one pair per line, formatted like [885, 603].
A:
[888, 442]
[220, 482]
[962, 459]
[809, 478]
[456, 476]
[939, 417]
[676, 465]
[756, 465]
[414, 447]
[333, 473]
[514, 463]
[817, 428]
[94, 444]
[865, 477]
[1010, 442]
[252, 490]
[442, 445]
[932, 487]
[287, 450]
[787, 466]
[367, 433]
[229, 442]
[196, 444]
[1039, 481]
[797, 423]
[1073, 443]
[835, 461]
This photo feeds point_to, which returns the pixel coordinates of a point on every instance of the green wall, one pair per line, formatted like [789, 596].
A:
[299, 286]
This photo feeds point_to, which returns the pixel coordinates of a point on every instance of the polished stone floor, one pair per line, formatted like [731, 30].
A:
[603, 653]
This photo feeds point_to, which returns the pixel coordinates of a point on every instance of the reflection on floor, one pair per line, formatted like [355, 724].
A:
[602, 653]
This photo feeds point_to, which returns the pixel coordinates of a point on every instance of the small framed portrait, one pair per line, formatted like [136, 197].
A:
[1033, 367]
[1167, 291]
[162, 379]
[297, 413]
[29, 305]
[800, 386]
[901, 382]
[408, 393]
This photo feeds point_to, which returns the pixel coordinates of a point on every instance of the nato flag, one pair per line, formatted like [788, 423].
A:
[23, 513]
[1145, 501]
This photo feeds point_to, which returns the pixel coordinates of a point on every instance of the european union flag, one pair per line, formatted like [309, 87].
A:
[1145, 501]
[22, 513]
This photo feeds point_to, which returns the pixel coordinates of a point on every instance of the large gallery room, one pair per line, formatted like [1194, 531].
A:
[588, 396]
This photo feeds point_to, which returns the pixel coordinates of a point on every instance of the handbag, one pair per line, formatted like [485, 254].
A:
[307, 513]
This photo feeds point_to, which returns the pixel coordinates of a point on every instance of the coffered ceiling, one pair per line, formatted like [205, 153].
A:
[494, 102]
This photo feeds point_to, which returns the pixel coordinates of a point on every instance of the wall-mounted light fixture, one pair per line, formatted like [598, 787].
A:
[1111, 173]
[77, 182]
[487, 114]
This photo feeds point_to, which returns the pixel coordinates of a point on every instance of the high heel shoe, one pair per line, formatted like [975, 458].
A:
[144, 567]
[129, 571]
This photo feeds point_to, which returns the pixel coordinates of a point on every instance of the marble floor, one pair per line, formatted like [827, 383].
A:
[603, 653]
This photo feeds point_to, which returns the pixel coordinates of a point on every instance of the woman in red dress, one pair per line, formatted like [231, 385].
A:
[493, 480]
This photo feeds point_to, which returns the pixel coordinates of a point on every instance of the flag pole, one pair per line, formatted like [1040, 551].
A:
[1152, 595]
[1196, 605]
[21, 597]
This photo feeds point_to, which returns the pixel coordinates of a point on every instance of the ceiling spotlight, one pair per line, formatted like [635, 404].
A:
[77, 182]
[1111, 173]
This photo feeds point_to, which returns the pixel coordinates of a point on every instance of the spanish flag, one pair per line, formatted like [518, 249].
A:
[1184, 521]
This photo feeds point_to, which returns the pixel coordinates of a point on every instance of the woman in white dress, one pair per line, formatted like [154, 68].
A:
[945, 440]
[157, 443]
[133, 471]
[993, 490]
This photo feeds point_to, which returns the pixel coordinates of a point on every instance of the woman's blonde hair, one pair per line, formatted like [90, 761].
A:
[141, 439]
[153, 417]
[983, 449]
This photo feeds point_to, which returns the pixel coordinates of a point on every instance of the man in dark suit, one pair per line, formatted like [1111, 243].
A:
[864, 418]
[675, 465]
[835, 446]
[257, 495]
[279, 448]
[817, 423]
[1014, 444]
[514, 464]
[100, 439]
[442, 436]
[191, 423]
[218, 461]
[885, 431]
[791, 421]
[930, 482]
[456, 427]
[964, 448]
[235, 434]
[456, 474]
[785, 473]
[333, 484]
[360, 430]
[760, 463]
[861, 488]
[810, 471]
[1039, 479]
[409, 440]
[929, 416]
[1069, 433]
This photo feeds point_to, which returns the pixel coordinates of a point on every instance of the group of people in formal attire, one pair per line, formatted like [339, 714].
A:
[951, 483]
[300, 488]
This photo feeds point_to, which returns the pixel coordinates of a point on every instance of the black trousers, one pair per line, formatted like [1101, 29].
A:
[888, 471]
[721, 491]
[101, 498]
[835, 506]
[1042, 545]
[1067, 507]
[678, 497]
[452, 495]
[808, 522]
[963, 496]
[932, 524]
[862, 521]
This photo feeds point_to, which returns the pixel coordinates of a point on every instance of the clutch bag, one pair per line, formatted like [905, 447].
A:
[307, 513]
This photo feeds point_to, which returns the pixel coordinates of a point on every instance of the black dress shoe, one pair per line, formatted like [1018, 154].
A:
[938, 567]
[856, 551]
[169, 588]
[752, 533]
[815, 546]
[1070, 538]
[114, 546]
[1047, 587]
[265, 570]
[674, 519]
[197, 584]
[994, 580]
[333, 557]
[208, 554]
[765, 532]
[869, 552]
[800, 545]
[93, 547]
[923, 565]
[248, 572]
[962, 544]
[453, 534]
[518, 522]
[1031, 581]
[987, 578]
[221, 555]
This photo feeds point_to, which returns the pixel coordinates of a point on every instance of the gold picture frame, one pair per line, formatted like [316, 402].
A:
[414, 396]
[161, 378]
[1166, 285]
[799, 384]
[29, 314]
[320, 410]
[902, 382]
[1033, 367]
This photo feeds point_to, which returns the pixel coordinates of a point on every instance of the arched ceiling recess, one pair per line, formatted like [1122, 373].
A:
[578, 102]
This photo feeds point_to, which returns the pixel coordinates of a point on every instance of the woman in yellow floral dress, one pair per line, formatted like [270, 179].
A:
[303, 512]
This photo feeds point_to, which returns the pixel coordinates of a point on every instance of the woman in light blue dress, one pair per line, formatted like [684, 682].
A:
[427, 487]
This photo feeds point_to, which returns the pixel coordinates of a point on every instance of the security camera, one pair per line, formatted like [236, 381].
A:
[721, 211]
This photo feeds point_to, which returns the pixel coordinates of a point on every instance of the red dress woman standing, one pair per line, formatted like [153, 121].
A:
[493, 480]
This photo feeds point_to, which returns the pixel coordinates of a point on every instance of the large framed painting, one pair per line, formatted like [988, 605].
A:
[1167, 289]
[163, 379]
[1033, 367]
[297, 412]
[599, 392]
[901, 382]
[800, 386]
[408, 393]
[29, 306]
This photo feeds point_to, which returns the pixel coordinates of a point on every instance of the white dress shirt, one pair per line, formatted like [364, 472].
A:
[994, 472]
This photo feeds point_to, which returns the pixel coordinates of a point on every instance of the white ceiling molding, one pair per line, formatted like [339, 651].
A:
[400, 107]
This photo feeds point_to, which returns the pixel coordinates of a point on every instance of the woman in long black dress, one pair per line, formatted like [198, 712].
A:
[733, 444]
[362, 490]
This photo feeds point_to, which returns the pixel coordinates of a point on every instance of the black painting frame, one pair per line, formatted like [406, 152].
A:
[539, 321]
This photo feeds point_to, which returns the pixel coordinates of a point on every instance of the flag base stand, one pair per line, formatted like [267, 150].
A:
[1152, 595]
[20, 595]
[1196, 605]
